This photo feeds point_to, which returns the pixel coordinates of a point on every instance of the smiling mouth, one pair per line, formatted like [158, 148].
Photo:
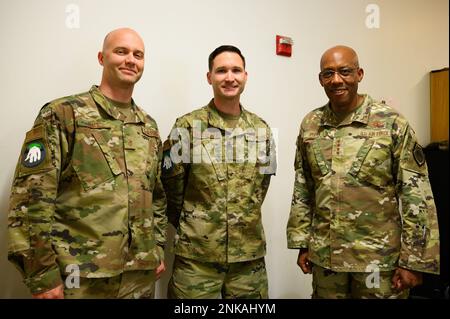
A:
[127, 70]
[338, 91]
[230, 87]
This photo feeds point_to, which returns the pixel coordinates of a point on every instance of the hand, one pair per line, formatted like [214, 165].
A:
[405, 279]
[303, 261]
[55, 293]
[161, 268]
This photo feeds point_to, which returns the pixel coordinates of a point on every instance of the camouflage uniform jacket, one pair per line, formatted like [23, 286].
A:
[92, 198]
[216, 203]
[350, 179]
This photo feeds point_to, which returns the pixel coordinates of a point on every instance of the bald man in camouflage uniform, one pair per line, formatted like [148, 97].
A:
[87, 212]
[218, 162]
[356, 160]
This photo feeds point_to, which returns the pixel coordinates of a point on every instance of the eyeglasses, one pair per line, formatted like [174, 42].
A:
[343, 73]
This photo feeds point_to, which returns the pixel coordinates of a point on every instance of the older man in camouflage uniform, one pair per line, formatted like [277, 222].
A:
[356, 160]
[218, 162]
[87, 205]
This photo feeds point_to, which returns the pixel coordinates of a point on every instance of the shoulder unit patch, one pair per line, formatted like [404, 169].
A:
[418, 154]
[34, 154]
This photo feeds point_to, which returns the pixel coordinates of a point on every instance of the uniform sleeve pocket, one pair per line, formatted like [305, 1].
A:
[18, 230]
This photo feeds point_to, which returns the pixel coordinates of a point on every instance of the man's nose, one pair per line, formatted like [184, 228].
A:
[130, 59]
[336, 78]
[229, 76]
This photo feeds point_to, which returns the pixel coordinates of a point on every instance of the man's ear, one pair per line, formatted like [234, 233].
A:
[360, 74]
[100, 57]
[208, 77]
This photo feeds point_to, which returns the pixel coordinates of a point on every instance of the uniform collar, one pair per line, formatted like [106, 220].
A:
[112, 111]
[360, 115]
[215, 120]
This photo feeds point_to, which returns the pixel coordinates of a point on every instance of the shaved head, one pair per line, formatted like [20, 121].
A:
[118, 33]
[342, 51]
[122, 58]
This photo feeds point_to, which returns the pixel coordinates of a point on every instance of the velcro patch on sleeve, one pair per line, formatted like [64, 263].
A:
[169, 167]
[167, 163]
[35, 153]
[418, 155]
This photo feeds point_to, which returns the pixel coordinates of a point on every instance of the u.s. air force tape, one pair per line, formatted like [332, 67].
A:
[34, 154]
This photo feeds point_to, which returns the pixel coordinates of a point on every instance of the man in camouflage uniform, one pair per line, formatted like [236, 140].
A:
[87, 205]
[356, 160]
[218, 161]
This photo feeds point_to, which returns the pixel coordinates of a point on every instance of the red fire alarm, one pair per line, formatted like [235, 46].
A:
[284, 45]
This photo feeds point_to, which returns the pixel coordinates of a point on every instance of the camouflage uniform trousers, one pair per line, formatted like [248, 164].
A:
[328, 284]
[137, 284]
[193, 279]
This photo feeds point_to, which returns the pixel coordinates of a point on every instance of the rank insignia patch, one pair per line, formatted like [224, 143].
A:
[418, 154]
[34, 154]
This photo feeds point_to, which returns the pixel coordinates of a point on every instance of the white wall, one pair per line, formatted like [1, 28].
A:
[42, 59]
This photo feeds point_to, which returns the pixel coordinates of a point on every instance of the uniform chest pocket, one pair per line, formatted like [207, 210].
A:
[373, 163]
[315, 149]
[95, 158]
[260, 158]
[211, 169]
